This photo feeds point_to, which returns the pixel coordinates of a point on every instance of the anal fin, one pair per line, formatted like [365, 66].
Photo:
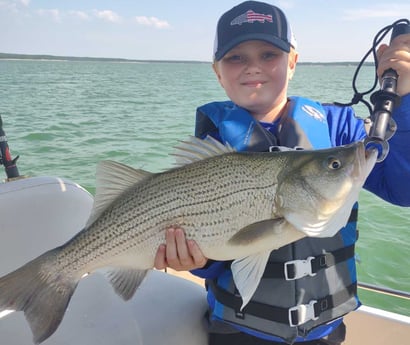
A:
[126, 281]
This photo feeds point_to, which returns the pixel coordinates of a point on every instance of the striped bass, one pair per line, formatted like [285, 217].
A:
[236, 206]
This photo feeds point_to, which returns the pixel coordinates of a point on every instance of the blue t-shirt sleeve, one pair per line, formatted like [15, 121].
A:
[211, 270]
[344, 127]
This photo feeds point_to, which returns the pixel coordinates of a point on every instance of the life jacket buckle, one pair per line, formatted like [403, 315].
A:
[302, 313]
[297, 269]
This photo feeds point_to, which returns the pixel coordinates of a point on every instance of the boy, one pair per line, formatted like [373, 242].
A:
[254, 60]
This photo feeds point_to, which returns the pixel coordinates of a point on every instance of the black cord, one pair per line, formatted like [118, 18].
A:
[359, 96]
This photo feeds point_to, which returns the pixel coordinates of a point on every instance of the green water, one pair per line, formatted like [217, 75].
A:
[64, 117]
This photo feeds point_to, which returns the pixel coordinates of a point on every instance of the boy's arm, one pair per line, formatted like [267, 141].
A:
[390, 178]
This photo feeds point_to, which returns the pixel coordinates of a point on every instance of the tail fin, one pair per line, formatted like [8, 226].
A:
[41, 291]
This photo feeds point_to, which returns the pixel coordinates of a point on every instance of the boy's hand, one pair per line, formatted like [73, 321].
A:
[397, 57]
[178, 253]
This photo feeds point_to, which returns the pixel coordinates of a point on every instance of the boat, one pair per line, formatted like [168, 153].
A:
[40, 213]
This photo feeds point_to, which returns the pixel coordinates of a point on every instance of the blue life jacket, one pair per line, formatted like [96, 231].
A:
[235, 125]
[308, 285]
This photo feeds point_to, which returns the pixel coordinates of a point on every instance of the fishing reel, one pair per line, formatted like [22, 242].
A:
[380, 125]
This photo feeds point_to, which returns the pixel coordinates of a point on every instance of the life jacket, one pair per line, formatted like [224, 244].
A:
[235, 125]
[308, 283]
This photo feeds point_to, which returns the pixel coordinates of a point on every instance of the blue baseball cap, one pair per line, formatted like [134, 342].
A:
[252, 20]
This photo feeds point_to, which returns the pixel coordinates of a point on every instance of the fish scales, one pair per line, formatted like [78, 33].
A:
[204, 207]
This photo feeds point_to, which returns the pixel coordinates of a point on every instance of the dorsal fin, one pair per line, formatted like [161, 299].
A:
[195, 149]
[112, 179]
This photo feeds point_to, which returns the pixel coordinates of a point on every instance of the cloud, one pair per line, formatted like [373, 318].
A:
[54, 14]
[13, 5]
[79, 14]
[384, 11]
[152, 21]
[107, 15]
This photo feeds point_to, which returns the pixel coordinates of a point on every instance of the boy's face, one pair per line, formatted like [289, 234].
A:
[255, 75]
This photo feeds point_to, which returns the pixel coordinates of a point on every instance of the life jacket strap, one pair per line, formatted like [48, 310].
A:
[293, 316]
[297, 269]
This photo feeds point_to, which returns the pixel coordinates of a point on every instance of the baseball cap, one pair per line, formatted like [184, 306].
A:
[252, 20]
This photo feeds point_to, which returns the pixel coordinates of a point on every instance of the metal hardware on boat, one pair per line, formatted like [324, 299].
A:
[384, 290]
[10, 165]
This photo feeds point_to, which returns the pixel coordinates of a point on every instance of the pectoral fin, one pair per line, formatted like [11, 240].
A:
[257, 231]
[247, 273]
[267, 234]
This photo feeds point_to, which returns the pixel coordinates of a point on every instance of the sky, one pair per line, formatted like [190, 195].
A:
[326, 30]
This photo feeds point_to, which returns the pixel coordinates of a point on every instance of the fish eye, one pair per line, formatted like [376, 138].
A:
[334, 163]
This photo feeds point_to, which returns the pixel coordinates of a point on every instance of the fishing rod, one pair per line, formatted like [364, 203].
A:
[385, 100]
[380, 122]
[9, 163]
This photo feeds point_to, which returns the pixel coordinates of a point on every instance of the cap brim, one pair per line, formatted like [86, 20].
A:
[277, 42]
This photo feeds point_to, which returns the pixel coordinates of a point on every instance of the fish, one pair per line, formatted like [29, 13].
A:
[237, 206]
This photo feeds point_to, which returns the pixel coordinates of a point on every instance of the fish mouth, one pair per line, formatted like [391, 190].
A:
[369, 153]
[370, 158]
[366, 159]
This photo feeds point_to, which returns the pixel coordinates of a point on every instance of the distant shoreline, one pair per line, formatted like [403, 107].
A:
[10, 56]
